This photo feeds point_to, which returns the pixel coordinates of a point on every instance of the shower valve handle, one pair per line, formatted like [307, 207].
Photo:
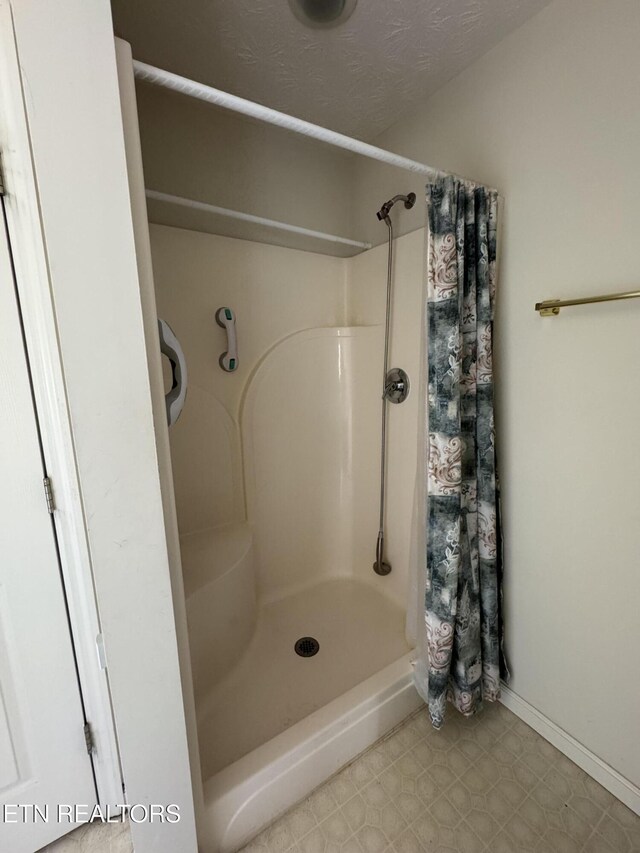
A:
[392, 387]
[396, 386]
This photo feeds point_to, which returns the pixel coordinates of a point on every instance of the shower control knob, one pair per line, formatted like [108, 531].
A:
[396, 386]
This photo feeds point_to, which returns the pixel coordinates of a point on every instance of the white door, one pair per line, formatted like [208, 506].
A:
[43, 755]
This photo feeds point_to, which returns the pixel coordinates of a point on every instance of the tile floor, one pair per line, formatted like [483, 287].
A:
[484, 784]
[94, 838]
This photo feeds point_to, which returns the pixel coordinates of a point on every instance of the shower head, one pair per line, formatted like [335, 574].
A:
[409, 201]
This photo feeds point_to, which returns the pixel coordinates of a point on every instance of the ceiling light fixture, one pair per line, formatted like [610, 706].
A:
[322, 14]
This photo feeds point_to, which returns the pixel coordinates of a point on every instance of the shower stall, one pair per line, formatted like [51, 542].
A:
[293, 475]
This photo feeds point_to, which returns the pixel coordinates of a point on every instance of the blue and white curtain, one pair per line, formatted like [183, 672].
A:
[463, 573]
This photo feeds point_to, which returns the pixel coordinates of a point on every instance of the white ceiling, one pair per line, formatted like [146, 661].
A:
[359, 78]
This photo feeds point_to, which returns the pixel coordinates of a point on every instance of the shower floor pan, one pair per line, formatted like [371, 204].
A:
[279, 724]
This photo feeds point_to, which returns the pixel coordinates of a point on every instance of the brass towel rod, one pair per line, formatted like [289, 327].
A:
[551, 307]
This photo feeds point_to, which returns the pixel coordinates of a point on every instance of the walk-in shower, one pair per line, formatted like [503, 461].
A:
[299, 652]
[395, 382]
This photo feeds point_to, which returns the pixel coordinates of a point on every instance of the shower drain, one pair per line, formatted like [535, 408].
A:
[307, 647]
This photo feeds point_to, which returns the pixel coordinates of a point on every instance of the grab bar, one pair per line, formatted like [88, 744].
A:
[170, 346]
[226, 318]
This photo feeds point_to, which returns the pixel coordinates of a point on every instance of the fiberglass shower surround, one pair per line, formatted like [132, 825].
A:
[277, 564]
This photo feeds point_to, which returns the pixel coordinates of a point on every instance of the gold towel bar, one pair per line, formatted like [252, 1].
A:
[551, 307]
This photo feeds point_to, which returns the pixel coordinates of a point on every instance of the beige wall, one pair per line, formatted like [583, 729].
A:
[551, 117]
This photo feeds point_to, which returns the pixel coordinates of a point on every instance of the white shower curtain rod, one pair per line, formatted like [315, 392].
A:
[150, 74]
[256, 220]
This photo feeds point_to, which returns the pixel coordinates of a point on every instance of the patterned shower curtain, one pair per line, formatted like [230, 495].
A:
[463, 542]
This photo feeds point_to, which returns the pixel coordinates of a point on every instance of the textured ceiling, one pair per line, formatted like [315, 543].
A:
[358, 78]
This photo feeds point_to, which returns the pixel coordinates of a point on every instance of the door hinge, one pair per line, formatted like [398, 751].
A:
[48, 493]
[88, 738]
[2, 188]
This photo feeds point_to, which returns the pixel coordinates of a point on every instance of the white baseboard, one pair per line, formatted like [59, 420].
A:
[599, 770]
